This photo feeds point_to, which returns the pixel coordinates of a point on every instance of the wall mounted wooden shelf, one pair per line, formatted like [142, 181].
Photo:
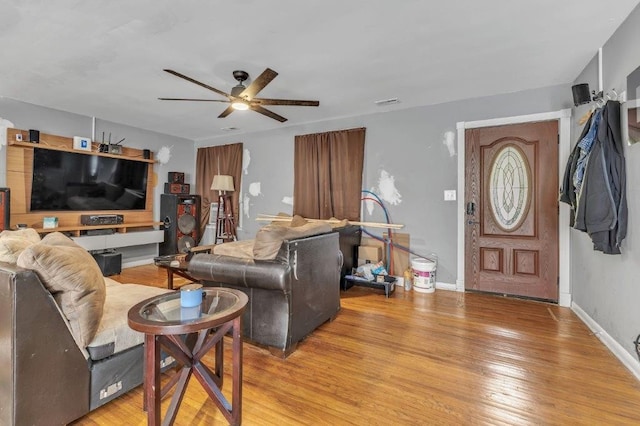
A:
[120, 228]
[61, 143]
[19, 178]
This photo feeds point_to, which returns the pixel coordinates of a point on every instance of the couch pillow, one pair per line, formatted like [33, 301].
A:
[28, 234]
[242, 249]
[10, 249]
[75, 281]
[298, 220]
[269, 238]
[311, 228]
[58, 239]
[12, 243]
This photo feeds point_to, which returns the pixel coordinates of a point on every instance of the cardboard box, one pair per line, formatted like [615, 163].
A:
[369, 254]
[400, 260]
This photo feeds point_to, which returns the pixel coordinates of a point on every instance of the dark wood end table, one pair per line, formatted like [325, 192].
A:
[164, 321]
[178, 264]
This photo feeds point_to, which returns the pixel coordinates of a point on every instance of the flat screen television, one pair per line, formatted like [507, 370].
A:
[73, 181]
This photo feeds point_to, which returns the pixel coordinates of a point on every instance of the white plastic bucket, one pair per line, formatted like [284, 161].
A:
[424, 275]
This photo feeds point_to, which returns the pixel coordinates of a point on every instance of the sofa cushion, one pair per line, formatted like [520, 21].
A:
[12, 243]
[10, 249]
[28, 234]
[74, 279]
[58, 239]
[242, 249]
[269, 238]
[114, 334]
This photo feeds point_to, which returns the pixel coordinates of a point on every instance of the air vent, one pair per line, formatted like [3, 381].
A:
[387, 101]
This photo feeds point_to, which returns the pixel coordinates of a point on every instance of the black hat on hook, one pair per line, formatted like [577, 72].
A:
[581, 94]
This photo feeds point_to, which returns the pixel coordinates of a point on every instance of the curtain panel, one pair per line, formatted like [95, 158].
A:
[328, 174]
[217, 160]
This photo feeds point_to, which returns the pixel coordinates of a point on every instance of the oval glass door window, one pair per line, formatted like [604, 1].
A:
[509, 187]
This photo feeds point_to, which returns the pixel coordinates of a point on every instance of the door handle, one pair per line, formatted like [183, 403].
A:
[471, 208]
[473, 222]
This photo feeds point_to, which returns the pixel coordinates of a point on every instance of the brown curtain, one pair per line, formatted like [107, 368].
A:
[328, 174]
[211, 161]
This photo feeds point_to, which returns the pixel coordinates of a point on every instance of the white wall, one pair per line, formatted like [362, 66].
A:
[407, 144]
[607, 287]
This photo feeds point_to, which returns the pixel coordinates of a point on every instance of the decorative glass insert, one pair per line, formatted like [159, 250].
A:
[509, 187]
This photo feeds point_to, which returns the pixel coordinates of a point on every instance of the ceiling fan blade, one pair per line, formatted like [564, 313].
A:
[226, 112]
[262, 101]
[189, 79]
[196, 100]
[258, 84]
[270, 114]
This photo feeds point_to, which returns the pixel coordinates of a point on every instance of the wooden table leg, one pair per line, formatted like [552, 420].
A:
[219, 360]
[169, 279]
[236, 396]
[152, 379]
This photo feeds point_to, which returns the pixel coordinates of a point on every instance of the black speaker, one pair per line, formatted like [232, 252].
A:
[146, 154]
[34, 136]
[580, 94]
[5, 213]
[181, 216]
[109, 263]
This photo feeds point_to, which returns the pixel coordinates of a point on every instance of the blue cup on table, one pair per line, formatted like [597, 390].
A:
[190, 295]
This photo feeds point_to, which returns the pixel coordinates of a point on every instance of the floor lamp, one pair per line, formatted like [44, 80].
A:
[225, 224]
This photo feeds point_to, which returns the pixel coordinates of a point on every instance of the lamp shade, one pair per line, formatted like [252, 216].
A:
[222, 183]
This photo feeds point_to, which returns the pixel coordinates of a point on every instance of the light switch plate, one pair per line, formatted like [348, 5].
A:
[450, 195]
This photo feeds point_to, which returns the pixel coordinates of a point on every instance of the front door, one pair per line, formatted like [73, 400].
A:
[511, 199]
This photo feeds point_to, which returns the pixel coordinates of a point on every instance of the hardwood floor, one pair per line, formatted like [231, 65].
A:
[441, 358]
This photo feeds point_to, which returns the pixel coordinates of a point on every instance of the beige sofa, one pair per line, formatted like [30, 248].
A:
[65, 343]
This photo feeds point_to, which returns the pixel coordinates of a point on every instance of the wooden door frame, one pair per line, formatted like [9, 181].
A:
[564, 242]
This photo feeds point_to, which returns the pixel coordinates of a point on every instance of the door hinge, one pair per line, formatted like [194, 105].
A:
[558, 282]
[558, 138]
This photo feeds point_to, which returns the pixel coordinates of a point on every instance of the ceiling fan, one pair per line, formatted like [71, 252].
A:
[241, 97]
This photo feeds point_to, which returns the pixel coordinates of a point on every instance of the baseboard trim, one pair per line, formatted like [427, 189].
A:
[616, 348]
[446, 286]
[132, 263]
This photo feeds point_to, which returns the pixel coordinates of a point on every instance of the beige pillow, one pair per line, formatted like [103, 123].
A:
[28, 234]
[311, 228]
[12, 243]
[269, 238]
[268, 241]
[75, 280]
[58, 239]
[10, 249]
[298, 221]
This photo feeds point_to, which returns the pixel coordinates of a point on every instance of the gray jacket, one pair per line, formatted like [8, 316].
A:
[602, 203]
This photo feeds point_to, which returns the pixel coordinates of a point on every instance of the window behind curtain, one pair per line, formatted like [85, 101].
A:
[328, 174]
[211, 161]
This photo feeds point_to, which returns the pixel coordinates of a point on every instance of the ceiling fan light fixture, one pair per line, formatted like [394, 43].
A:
[240, 106]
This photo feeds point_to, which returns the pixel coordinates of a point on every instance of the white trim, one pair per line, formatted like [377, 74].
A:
[446, 286]
[616, 348]
[564, 241]
[132, 263]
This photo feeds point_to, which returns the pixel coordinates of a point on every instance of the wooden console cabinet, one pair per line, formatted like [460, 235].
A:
[20, 174]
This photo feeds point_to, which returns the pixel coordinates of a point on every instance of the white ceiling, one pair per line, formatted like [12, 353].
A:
[104, 58]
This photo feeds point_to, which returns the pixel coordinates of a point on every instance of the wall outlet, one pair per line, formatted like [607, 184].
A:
[450, 195]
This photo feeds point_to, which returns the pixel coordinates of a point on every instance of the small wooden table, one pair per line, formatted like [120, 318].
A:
[164, 321]
[178, 264]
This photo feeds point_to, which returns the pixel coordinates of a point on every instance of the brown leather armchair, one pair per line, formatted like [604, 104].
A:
[289, 296]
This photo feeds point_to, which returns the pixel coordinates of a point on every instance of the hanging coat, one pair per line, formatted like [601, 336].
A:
[568, 190]
[602, 203]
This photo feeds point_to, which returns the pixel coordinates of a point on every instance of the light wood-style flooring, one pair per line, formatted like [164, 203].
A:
[418, 359]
